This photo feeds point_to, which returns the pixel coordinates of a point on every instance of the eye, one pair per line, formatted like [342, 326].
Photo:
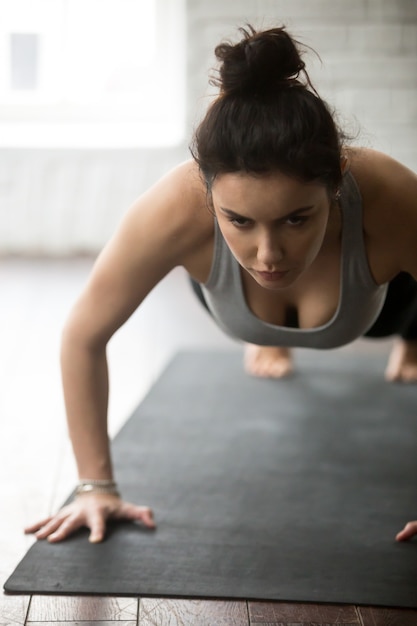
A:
[240, 222]
[296, 220]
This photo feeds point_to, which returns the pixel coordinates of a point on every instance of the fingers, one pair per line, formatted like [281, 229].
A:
[408, 531]
[98, 528]
[64, 529]
[147, 518]
[48, 528]
[91, 512]
[35, 527]
[136, 513]
[97, 521]
[59, 527]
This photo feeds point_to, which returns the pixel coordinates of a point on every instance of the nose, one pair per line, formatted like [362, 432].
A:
[270, 251]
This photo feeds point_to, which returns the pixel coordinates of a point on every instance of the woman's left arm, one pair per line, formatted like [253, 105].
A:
[389, 191]
[408, 259]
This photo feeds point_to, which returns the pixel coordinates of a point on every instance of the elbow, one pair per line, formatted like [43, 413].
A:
[79, 336]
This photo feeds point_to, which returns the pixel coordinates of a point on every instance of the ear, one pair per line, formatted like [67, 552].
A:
[344, 164]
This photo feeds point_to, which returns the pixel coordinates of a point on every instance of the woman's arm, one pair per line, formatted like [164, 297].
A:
[166, 227]
[389, 191]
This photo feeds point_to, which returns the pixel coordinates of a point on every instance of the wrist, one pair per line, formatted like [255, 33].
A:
[105, 486]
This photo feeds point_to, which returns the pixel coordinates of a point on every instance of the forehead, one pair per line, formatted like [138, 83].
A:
[240, 189]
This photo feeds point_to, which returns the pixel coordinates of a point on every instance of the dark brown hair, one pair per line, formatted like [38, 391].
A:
[267, 116]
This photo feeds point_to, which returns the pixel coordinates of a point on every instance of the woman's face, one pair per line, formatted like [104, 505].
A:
[274, 225]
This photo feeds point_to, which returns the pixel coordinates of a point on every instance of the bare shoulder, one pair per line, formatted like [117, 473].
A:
[176, 208]
[168, 223]
[379, 174]
[167, 226]
[389, 196]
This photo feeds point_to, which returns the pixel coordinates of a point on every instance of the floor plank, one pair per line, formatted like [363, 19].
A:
[74, 608]
[13, 610]
[380, 616]
[83, 623]
[298, 613]
[158, 612]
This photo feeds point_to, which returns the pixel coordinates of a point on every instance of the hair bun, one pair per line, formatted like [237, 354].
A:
[260, 63]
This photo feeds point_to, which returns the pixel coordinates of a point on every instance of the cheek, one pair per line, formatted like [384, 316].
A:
[303, 247]
[315, 241]
[237, 241]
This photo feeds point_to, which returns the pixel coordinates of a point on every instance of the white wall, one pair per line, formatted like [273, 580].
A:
[67, 201]
[368, 50]
[60, 202]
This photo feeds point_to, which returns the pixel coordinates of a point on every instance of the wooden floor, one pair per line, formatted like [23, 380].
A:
[37, 471]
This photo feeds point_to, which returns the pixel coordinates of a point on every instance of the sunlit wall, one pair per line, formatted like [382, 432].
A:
[98, 98]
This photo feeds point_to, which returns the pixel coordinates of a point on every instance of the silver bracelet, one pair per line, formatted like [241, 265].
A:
[99, 486]
[99, 482]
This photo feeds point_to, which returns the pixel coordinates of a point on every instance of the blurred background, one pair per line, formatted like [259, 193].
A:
[98, 99]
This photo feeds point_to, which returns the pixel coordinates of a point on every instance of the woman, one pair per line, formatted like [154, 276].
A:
[291, 239]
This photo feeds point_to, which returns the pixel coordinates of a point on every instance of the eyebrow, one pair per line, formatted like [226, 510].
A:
[303, 209]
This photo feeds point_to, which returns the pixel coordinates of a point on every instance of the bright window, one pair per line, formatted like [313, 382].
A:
[91, 73]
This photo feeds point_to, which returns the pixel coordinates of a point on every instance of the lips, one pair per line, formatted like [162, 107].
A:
[272, 276]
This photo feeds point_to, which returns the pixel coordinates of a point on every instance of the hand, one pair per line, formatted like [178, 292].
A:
[91, 510]
[407, 532]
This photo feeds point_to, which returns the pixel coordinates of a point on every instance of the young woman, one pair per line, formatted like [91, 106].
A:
[290, 237]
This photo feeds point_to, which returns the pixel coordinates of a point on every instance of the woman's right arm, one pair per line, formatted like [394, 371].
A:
[164, 228]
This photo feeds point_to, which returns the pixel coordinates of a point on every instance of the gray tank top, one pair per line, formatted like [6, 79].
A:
[360, 298]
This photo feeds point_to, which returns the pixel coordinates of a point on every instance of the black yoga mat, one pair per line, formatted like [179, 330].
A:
[278, 490]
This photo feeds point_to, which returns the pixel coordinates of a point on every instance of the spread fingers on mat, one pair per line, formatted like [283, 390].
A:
[48, 528]
[97, 525]
[407, 532]
[136, 513]
[33, 528]
[48, 525]
[45, 524]
[66, 528]
[60, 521]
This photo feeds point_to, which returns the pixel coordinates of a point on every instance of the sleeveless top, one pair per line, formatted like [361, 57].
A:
[360, 298]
